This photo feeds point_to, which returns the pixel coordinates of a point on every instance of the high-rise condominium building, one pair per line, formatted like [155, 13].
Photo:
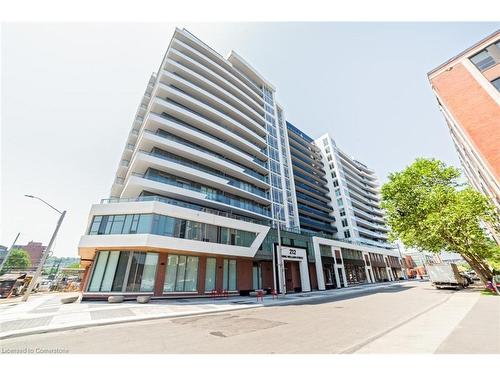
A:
[354, 193]
[311, 190]
[467, 88]
[208, 197]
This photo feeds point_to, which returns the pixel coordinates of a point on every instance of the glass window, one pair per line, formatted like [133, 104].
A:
[191, 278]
[229, 274]
[170, 277]
[95, 225]
[99, 268]
[144, 225]
[496, 83]
[256, 276]
[135, 272]
[149, 272]
[210, 274]
[174, 227]
[121, 270]
[117, 226]
[211, 232]
[483, 60]
[109, 274]
[181, 273]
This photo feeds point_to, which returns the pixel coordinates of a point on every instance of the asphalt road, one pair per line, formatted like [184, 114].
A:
[411, 317]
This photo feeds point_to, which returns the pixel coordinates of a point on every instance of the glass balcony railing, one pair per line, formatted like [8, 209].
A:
[191, 164]
[261, 137]
[316, 224]
[308, 188]
[192, 206]
[309, 198]
[166, 135]
[210, 193]
[183, 123]
[323, 214]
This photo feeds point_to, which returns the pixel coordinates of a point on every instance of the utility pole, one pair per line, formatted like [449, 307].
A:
[8, 252]
[47, 250]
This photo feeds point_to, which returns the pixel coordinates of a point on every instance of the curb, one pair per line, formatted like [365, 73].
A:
[103, 322]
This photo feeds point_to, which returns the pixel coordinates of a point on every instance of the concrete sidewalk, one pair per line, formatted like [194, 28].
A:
[45, 313]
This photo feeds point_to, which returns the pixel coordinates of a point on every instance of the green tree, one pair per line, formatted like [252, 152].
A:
[429, 209]
[18, 259]
[74, 265]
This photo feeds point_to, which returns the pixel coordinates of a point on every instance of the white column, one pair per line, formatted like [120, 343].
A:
[319, 264]
[304, 275]
[343, 273]
[337, 277]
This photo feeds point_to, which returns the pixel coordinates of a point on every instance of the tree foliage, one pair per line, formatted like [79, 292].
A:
[429, 209]
[18, 259]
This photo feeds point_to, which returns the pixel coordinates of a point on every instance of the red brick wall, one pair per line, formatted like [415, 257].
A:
[475, 111]
[244, 274]
[312, 276]
[267, 275]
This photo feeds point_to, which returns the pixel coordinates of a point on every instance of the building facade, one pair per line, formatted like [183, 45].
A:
[467, 88]
[35, 251]
[354, 193]
[206, 194]
[311, 191]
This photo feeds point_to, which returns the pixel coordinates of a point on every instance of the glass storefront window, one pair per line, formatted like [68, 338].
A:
[121, 270]
[210, 271]
[229, 274]
[171, 275]
[191, 277]
[182, 274]
[109, 274]
[124, 271]
[256, 276]
[181, 271]
[99, 268]
[135, 272]
[149, 273]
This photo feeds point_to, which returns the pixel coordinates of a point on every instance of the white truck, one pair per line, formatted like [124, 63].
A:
[446, 275]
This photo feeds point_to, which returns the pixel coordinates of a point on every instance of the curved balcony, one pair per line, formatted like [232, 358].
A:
[210, 70]
[174, 79]
[208, 193]
[182, 129]
[192, 151]
[212, 114]
[209, 85]
[198, 120]
[211, 171]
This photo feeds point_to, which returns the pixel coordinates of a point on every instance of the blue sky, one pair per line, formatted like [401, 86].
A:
[70, 92]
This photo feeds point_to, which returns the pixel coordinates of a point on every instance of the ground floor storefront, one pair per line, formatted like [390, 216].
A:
[295, 268]
[164, 274]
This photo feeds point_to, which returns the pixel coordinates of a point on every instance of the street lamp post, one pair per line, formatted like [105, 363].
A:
[47, 250]
[279, 259]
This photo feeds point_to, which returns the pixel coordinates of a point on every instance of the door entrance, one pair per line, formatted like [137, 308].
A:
[292, 277]
[329, 275]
